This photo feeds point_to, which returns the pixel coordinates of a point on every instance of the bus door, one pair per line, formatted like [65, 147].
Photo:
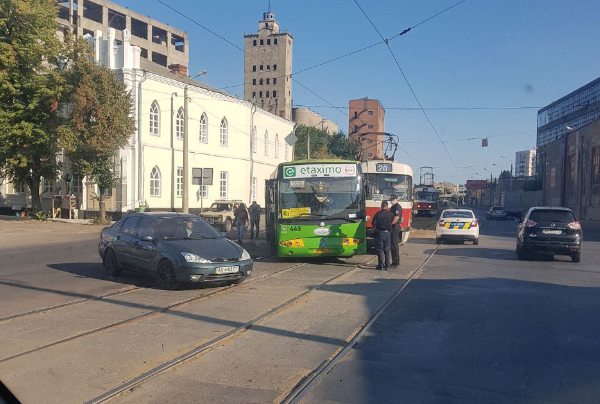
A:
[271, 210]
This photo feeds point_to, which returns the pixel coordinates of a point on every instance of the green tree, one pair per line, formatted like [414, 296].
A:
[30, 91]
[342, 147]
[323, 144]
[99, 122]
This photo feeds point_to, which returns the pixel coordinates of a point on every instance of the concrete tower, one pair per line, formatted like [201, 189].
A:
[268, 66]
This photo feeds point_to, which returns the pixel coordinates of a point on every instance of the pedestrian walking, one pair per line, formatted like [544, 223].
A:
[396, 211]
[382, 222]
[241, 220]
[254, 211]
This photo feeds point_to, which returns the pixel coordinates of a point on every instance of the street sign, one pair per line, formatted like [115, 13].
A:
[206, 174]
[484, 142]
[291, 139]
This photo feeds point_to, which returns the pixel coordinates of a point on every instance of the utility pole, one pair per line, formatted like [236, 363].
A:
[186, 172]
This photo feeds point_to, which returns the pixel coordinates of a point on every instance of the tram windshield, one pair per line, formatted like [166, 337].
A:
[382, 186]
[426, 196]
[320, 198]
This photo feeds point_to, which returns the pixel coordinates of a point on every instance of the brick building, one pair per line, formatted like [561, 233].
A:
[366, 124]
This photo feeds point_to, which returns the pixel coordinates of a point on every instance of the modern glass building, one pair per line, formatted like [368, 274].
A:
[574, 110]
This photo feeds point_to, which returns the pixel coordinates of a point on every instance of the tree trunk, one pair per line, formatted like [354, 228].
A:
[34, 188]
[102, 206]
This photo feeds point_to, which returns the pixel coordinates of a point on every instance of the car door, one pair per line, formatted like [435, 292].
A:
[144, 251]
[125, 241]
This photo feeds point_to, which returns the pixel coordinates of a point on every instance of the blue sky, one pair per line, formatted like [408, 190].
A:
[482, 53]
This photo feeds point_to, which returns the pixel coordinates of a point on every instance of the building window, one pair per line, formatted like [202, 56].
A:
[274, 81]
[274, 94]
[204, 194]
[268, 42]
[261, 82]
[275, 41]
[203, 129]
[268, 81]
[223, 184]
[18, 187]
[370, 126]
[179, 182]
[254, 140]
[254, 44]
[268, 68]
[369, 141]
[286, 150]
[179, 124]
[276, 146]
[262, 42]
[355, 114]
[253, 82]
[553, 177]
[155, 182]
[370, 112]
[254, 67]
[76, 184]
[253, 94]
[266, 143]
[223, 132]
[48, 186]
[254, 187]
[355, 128]
[596, 165]
[274, 68]
[261, 68]
[260, 94]
[154, 119]
[267, 94]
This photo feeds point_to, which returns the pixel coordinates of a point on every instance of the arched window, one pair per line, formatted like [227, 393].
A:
[266, 143]
[203, 129]
[286, 150]
[276, 146]
[254, 140]
[154, 119]
[179, 124]
[155, 182]
[223, 132]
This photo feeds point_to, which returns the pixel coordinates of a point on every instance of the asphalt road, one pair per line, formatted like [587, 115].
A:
[473, 325]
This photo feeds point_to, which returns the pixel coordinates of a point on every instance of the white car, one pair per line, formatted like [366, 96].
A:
[457, 224]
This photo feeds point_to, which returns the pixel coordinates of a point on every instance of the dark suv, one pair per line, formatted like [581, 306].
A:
[550, 230]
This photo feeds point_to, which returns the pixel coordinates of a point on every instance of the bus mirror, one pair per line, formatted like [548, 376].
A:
[360, 215]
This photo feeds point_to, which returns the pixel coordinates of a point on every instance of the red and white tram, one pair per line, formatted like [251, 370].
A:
[426, 201]
[385, 178]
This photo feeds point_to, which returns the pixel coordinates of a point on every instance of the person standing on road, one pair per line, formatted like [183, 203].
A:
[241, 220]
[254, 211]
[396, 211]
[382, 222]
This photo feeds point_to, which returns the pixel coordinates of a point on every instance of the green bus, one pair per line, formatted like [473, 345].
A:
[316, 208]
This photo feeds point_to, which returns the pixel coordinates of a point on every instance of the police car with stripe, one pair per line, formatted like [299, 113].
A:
[459, 225]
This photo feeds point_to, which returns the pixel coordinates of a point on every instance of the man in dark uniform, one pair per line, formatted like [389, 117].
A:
[396, 211]
[382, 222]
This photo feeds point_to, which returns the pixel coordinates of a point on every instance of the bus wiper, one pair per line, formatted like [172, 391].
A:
[309, 216]
[334, 217]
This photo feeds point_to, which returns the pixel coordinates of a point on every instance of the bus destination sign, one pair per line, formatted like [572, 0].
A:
[383, 167]
[319, 170]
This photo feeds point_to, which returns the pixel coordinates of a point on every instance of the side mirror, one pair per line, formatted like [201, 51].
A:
[147, 238]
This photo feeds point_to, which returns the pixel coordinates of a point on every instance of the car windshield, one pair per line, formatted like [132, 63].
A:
[220, 207]
[458, 214]
[552, 216]
[186, 228]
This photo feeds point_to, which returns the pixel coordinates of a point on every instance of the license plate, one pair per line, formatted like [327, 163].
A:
[323, 250]
[227, 270]
[551, 231]
[457, 226]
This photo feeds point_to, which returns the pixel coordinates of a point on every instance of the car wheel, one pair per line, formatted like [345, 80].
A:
[166, 276]
[476, 241]
[438, 240]
[111, 266]
[227, 225]
[576, 257]
[520, 253]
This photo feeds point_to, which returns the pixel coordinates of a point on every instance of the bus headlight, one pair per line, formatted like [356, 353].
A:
[351, 241]
[298, 242]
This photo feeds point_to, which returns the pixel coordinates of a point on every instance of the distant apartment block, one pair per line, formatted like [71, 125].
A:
[268, 67]
[525, 163]
[574, 110]
[159, 42]
[304, 116]
[366, 124]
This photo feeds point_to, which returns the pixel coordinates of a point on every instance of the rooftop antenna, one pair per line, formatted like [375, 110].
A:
[269, 10]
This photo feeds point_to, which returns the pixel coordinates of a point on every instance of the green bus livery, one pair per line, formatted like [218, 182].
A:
[316, 208]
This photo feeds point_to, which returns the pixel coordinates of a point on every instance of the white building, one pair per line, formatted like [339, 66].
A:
[242, 144]
[525, 163]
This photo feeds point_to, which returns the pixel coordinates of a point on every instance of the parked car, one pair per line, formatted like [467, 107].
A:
[496, 212]
[554, 231]
[457, 224]
[221, 214]
[175, 248]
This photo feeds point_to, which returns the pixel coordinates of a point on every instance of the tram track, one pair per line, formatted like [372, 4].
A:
[88, 299]
[153, 312]
[125, 386]
[301, 389]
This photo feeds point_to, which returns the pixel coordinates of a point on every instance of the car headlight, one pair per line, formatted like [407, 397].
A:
[245, 256]
[189, 257]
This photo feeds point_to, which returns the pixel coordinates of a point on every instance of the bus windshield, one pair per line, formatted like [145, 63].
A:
[426, 196]
[316, 198]
[382, 186]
